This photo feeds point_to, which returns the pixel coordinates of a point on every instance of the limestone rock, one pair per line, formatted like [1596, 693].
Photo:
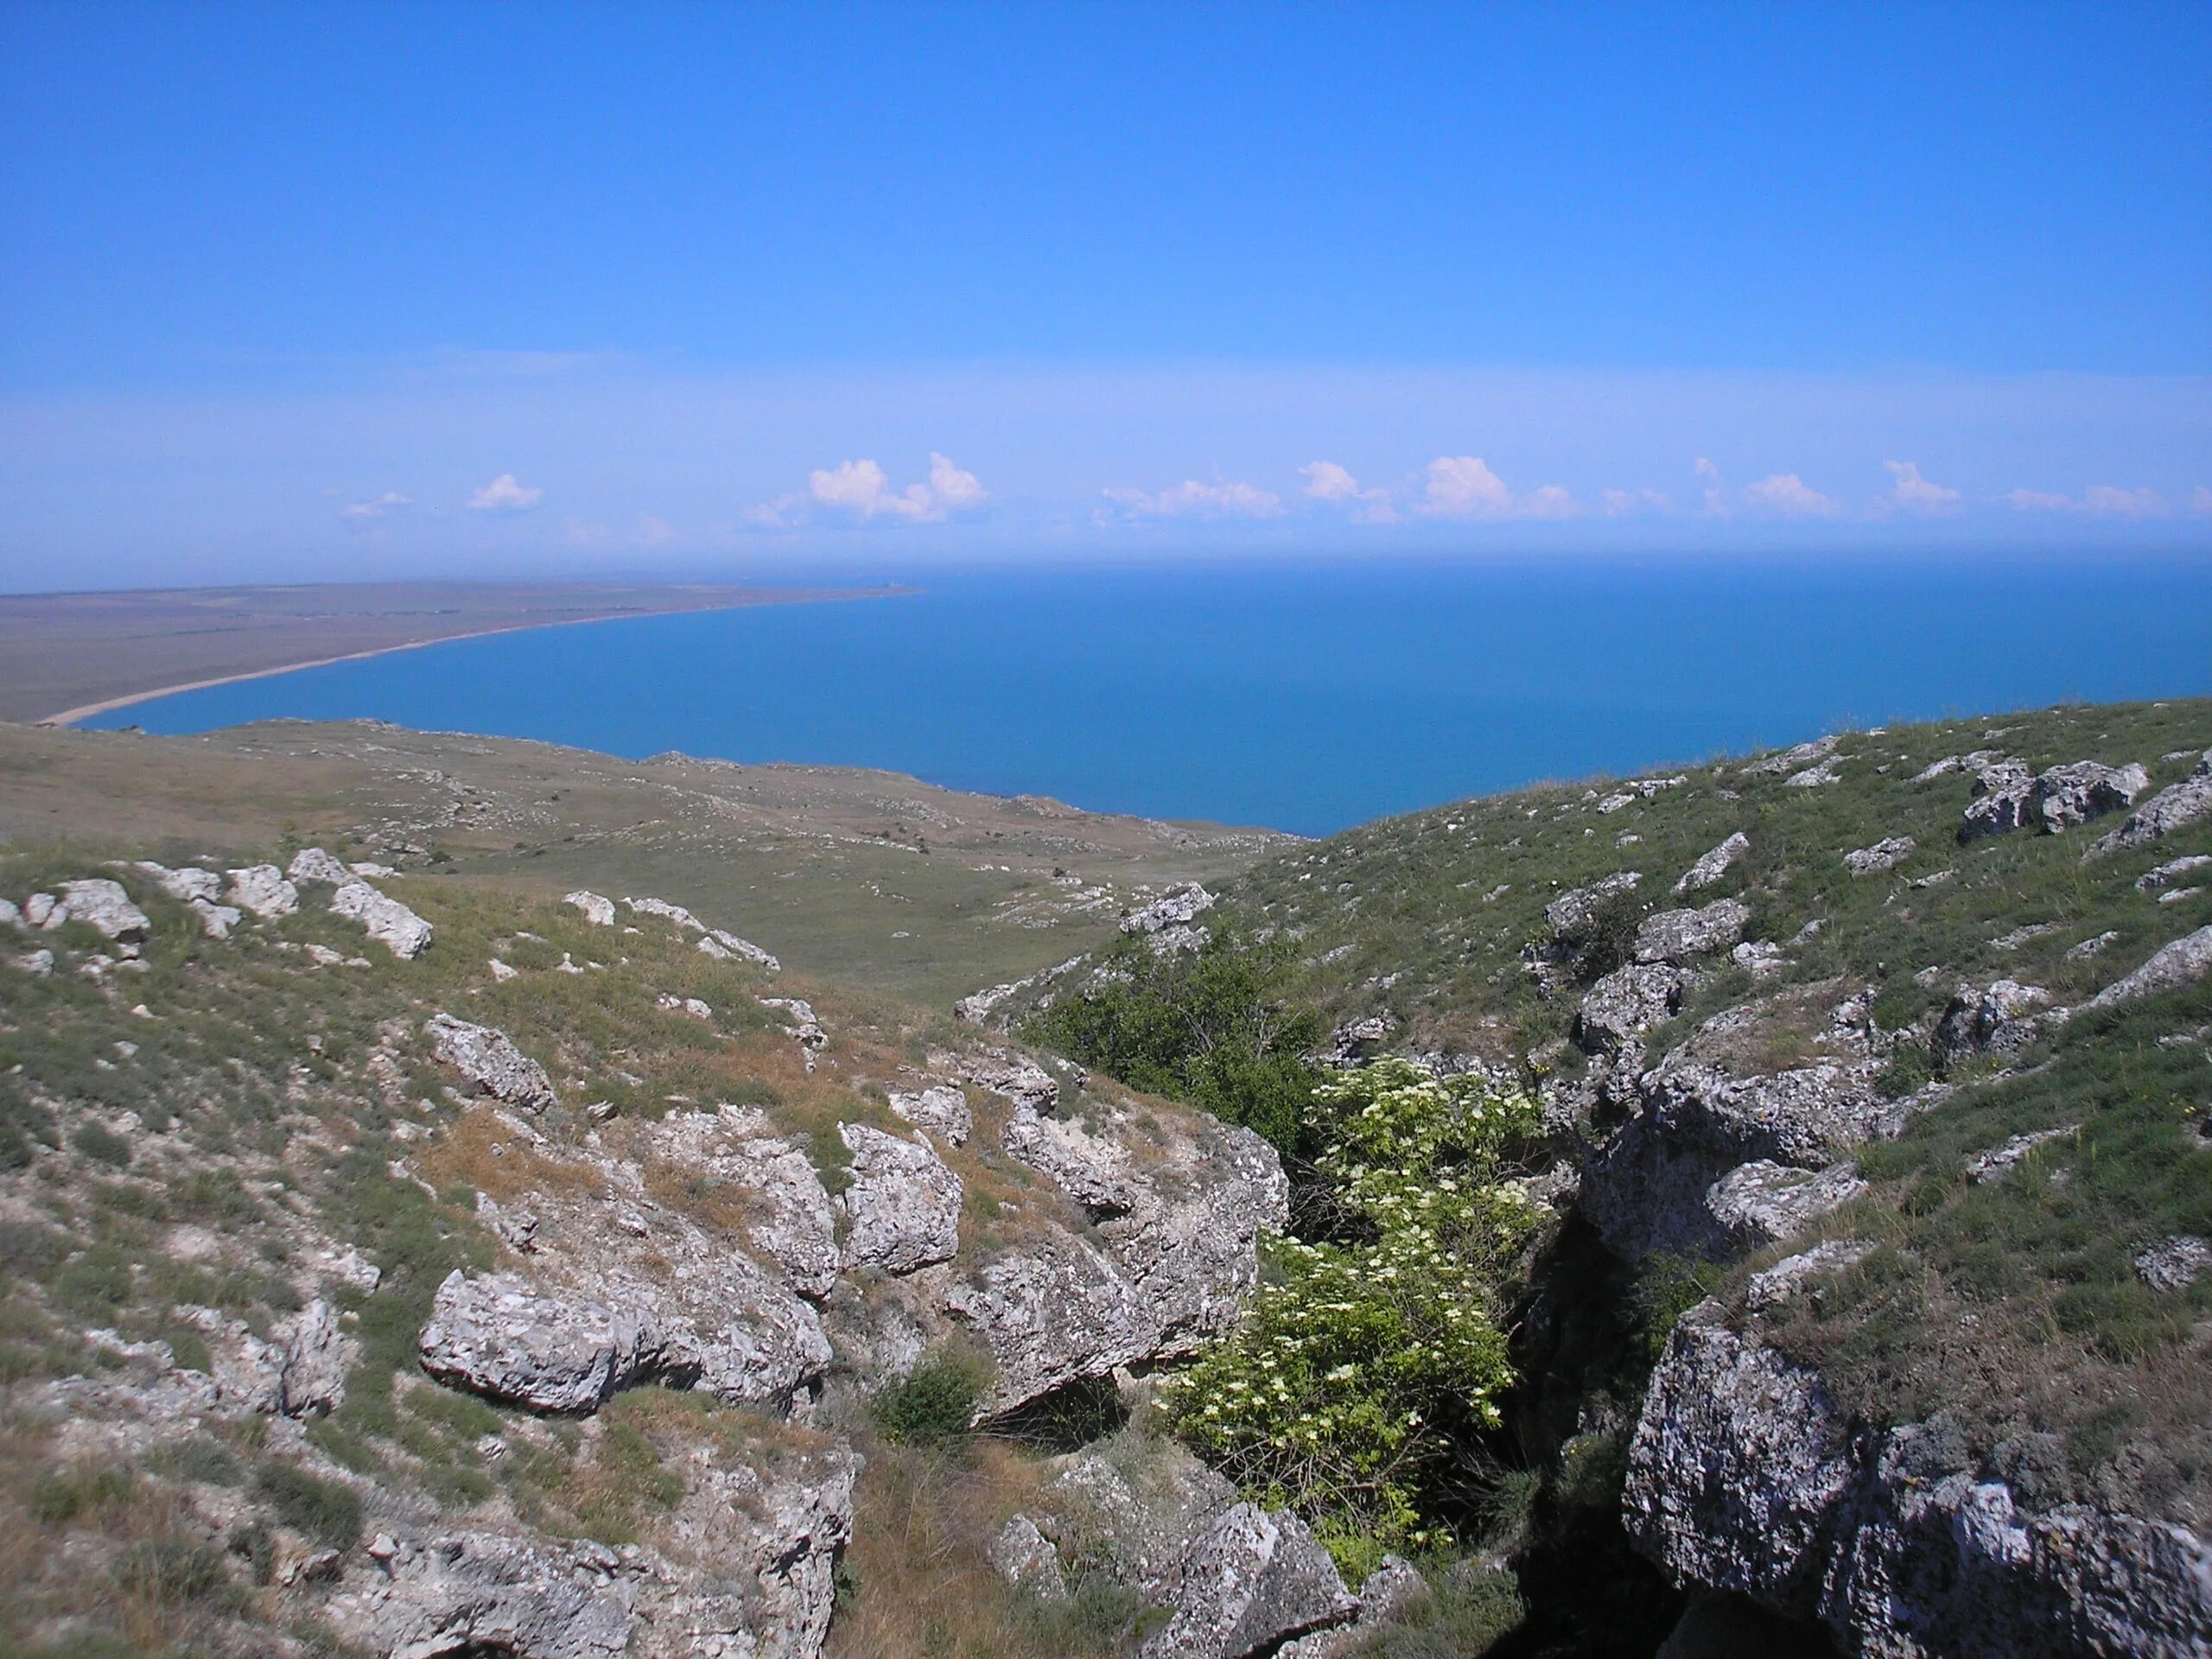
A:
[38, 964]
[1391, 1588]
[2174, 1265]
[2007, 797]
[598, 910]
[1737, 1462]
[263, 889]
[1056, 1310]
[1028, 1560]
[903, 1207]
[1988, 1165]
[496, 1335]
[1571, 914]
[1712, 866]
[1681, 936]
[316, 1360]
[43, 910]
[1762, 1201]
[2066, 795]
[387, 921]
[941, 1108]
[1695, 1119]
[1997, 1021]
[725, 946]
[489, 1064]
[313, 864]
[1881, 855]
[2151, 880]
[1022, 1081]
[1742, 1478]
[1177, 908]
[788, 1214]
[2173, 808]
[1250, 1582]
[1628, 1002]
[2183, 961]
[1787, 1277]
[9, 915]
[102, 903]
[1791, 761]
[467, 1593]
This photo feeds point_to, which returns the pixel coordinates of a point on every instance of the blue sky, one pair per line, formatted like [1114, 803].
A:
[319, 292]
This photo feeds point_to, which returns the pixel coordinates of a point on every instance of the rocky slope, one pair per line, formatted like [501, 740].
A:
[1888, 1051]
[398, 1266]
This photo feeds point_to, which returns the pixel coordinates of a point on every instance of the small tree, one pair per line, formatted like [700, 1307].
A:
[1340, 1394]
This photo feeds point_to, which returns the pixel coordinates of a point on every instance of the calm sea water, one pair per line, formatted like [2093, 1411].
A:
[1307, 698]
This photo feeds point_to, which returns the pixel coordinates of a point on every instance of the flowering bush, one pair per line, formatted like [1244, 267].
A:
[1338, 1394]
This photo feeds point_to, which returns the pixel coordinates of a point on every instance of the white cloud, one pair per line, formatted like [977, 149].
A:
[502, 494]
[1619, 502]
[1326, 482]
[2126, 504]
[953, 488]
[1913, 493]
[2200, 501]
[1463, 486]
[375, 507]
[2100, 500]
[1191, 499]
[1717, 504]
[864, 488]
[1789, 495]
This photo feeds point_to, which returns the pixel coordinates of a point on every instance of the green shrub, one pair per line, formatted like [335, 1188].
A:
[933, 1404]
[325, 1511]
[1213, 1027]
[200, 1458]
[1341, 1395]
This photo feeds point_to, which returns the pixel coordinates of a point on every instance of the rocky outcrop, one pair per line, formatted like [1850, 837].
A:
[1715, 1159]
[2173, 808]
[467, 1593]
[1743, 1477]
[2007, 796]
[1177, 908]
[1681, 936]
[1997, 1021]
[597, 910]
[941, 1108]
[2183, 961]
[787, 1213]
[489, 1064]
[1028, 1560]
[903, 1208]
[263, 889]
[2174, 1265]
[102, 905]
[314, 864]
[1712, 866]
[1023, 1081]
[1626, 1003]
[313, 1380]
[387, 921]
[497, 1335]
[1250, 1582]
[1881, 855]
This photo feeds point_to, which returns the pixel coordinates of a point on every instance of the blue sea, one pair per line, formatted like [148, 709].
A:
[1304, 697]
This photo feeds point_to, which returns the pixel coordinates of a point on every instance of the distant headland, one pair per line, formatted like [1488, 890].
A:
[65, 657]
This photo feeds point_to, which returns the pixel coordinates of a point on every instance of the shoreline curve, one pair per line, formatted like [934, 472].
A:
[109, 705]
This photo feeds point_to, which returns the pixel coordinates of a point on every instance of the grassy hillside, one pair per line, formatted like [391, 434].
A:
[865, 878]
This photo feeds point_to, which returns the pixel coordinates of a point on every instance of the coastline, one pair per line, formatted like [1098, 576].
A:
[89, 710]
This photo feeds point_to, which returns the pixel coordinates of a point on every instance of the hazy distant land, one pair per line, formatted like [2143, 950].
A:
[66, 657]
